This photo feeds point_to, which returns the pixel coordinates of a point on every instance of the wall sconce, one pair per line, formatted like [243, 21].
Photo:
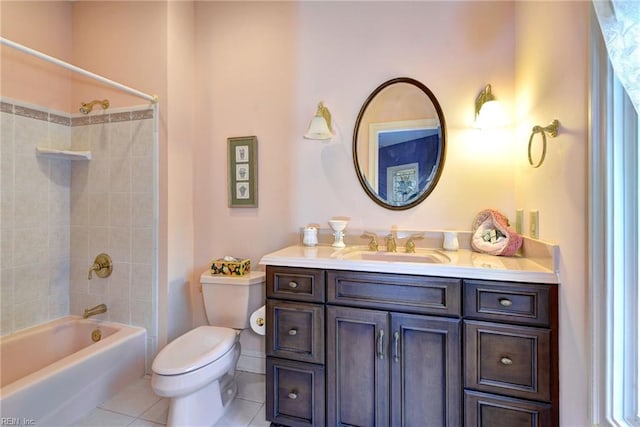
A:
[489, 112]
[552, 130]
[320, 126]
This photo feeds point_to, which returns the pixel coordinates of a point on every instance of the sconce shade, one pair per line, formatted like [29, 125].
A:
[320, 126]
[489, 112]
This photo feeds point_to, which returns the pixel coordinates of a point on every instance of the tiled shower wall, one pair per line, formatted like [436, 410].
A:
[34, 217]
[60, 214]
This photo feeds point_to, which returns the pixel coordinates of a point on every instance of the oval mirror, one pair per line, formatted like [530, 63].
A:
[399, 143]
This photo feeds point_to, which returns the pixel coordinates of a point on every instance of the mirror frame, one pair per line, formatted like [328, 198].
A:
[363, 181]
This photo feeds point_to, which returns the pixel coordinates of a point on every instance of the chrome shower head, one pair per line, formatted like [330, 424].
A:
[86, 107]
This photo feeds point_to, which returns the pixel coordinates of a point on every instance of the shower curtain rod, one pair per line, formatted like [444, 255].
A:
[152, 98]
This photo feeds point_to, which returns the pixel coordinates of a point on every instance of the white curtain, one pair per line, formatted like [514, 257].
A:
[620, 24]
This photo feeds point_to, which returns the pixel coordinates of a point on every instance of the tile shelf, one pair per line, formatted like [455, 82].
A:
[53, 153]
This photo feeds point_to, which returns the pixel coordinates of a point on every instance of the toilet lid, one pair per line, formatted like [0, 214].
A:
[193, 350]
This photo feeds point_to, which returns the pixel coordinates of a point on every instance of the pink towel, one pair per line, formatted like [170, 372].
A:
[492, 235]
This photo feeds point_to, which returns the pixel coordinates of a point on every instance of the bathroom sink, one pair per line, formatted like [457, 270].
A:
[422, 256]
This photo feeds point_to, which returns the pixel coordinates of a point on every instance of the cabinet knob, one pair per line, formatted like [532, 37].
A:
[506, 361]
[293, 285]
[505, 302]
[292, 332]
[293, 395]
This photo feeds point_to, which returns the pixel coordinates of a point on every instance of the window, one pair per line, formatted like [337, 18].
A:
[613, 240]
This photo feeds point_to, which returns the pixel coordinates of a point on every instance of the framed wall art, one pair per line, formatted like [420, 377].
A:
[242, 171]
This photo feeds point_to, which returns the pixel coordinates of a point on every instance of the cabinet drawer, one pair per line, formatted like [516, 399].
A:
[511, 360]
[486, 410]
[397, 292]
[295, 331]
[509, 302]
[295, 394]
[298, 284]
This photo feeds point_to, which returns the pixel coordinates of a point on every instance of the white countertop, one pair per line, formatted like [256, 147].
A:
[463, 263]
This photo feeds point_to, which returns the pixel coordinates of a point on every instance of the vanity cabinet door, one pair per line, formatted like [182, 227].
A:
[357, 367]
[425, 371]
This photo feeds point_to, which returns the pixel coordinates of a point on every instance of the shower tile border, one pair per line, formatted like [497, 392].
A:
[74, 120]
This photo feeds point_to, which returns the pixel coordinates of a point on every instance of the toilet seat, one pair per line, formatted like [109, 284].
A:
[193, 350]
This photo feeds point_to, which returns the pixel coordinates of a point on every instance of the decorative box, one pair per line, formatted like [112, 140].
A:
[230, 266]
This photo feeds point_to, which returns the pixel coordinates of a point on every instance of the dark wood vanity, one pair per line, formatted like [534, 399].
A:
[350, 348]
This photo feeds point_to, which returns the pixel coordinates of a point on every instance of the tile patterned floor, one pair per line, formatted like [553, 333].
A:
[138, 406]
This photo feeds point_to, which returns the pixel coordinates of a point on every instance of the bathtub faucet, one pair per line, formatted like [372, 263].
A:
[98, 309]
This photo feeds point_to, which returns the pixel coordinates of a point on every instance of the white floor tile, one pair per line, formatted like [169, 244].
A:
[158, 412]
[260, 419]
[251, 386]
[138, 406]
[144, 423]
[135, 399]
[240, 414]
[102, 418]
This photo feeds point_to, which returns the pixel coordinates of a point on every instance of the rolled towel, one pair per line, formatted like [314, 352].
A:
[492, 235]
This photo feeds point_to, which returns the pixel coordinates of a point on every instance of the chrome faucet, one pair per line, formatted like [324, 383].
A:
[373, 243]
[391, 243]
[98, 309]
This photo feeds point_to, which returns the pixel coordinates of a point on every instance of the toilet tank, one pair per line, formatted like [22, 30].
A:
[230, 300]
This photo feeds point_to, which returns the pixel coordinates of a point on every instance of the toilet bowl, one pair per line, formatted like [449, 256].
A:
[196, 370]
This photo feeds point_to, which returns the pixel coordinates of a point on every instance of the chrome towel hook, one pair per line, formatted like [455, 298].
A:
[552, 130]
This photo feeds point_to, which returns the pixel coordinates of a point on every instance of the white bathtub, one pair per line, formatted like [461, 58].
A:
[53, 374]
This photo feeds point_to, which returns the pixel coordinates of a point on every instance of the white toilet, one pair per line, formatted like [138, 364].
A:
[196, 370]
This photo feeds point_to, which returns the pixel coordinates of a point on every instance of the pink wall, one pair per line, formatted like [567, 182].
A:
[551, 83]
[47, 29]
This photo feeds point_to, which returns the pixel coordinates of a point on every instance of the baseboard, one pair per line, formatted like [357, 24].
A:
[252, 361]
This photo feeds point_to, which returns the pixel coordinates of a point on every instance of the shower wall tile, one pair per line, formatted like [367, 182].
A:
[59, 245]
[120, 175]
[142, 175]
[6, 300]
[98, 243]
[142, 209]
[79, 206]
[30, 246]
[120, 243]
[115, 218]
[120, 209]
[6, 246]
[120, 286]
[142, 282]
[57, 215]
[98, 209]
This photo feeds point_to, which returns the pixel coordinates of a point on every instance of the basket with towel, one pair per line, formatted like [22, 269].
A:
[491, 234]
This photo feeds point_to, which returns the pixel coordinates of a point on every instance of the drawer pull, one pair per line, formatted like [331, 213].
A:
[505, 302]
[293, 395]
[506, 361]
[292, 332]
[293, 285]
[381, 344]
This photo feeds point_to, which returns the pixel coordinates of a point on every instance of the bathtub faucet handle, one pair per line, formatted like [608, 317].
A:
[103, 266]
